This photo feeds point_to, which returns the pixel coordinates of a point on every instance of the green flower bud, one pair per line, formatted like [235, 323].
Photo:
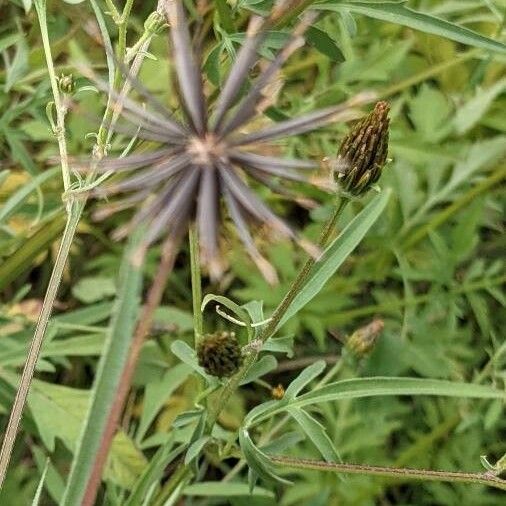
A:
[363, 152]
[362, 341]
[66, 84]
[220, 354]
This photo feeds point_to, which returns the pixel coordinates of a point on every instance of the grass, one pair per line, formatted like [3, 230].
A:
[427, 263]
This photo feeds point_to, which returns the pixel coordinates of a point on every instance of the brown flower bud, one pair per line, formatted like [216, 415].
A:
[363, 152]
[278, 392]
[66, 83]
[220, 354]
[362, 341]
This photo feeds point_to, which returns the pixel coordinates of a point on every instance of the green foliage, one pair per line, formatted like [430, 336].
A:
[425, 256]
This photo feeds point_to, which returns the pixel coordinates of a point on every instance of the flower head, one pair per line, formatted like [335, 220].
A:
[363, 152]
[205, 159]
[220, 354]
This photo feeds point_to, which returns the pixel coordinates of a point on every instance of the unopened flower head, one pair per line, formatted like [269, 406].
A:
[363, 340]
[363, 152]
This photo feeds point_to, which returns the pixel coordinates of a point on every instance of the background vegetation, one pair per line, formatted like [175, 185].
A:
[431, 267]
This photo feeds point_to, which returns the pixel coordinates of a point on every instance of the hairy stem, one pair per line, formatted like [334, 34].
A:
[392, 472]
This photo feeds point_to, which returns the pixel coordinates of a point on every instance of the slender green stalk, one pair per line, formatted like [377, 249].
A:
[392, 472]
[60, 107]
[198, 323]
[279, 312]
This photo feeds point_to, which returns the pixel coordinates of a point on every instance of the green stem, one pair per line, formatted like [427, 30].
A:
[198, 324]
[60, 107]
[392, 472]
[278, 314]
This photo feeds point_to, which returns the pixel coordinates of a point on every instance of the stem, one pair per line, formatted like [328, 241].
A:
[60, 108]
[393, 472]
[38, 339]
[198, 323]
[153, 300]
[278, 314]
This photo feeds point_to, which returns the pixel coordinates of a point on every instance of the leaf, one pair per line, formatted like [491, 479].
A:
[229, 489]
[58, 412]
[125, 463]
[187, 355]
[257, 460]
[304, 378]
[195, 449]
[153, 472]
[13, 203]
[279, 345]
[157, 393]
[124, 316]
[379, 386]
[470, 113]
[93, 289]
[263, 366]
[324, 44]
[394, 12]
[337, 252]
[316, 432]
[40, 486]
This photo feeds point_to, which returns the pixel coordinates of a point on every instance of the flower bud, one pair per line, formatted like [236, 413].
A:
[220, 354]
[363, 152]
[278, 392]
[362, 341]
[66, 84]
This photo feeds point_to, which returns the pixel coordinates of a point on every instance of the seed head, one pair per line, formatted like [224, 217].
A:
[220, 354]
[209, 151]
[363, 152]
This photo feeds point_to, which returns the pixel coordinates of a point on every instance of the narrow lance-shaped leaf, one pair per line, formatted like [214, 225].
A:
[337, 252]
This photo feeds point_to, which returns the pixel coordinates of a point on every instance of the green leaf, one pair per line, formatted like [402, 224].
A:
[17, 199]
[324, 44]
[195, 449]
[375, 387]
[316, 432]
[337, 252]
[40, 486]
[153, 472]
[263, 366]
[257, 460]
[470, 113]
[110, 367]
[241, 313]
[126, 462]
[303, 379]
[219, 489]
[395, 12]
[157, 393]
[188, 356]
[93, 289]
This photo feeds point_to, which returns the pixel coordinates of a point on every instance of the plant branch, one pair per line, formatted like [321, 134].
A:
[392, 472]
[198, 323]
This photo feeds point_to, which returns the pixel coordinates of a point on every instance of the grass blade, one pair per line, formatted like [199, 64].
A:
[109, 372]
